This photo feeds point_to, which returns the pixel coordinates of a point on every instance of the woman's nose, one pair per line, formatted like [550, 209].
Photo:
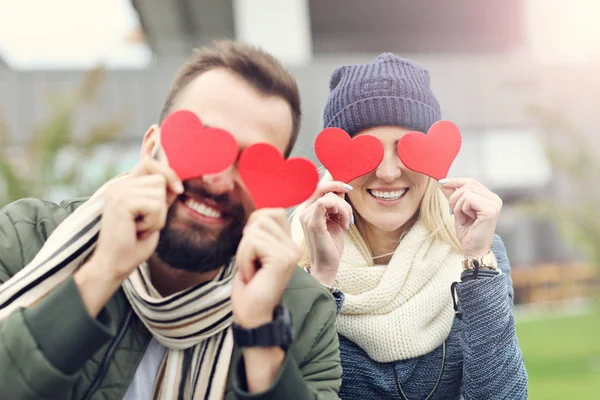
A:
[390, 168]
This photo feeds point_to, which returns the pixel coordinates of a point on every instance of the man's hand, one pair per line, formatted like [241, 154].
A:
[266, 259]
[135, 210]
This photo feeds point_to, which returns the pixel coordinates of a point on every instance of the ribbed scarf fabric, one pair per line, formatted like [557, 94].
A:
[404, 309]
[195, 324]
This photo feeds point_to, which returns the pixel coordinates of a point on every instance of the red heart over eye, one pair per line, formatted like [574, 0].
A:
[194, 150]
[431, 154]
[345, 158]
[274, 181]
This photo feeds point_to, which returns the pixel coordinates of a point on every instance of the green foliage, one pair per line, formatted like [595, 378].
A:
[572, 157]
[55, 154]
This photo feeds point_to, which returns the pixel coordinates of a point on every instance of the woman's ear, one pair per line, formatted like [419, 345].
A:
[151, 140]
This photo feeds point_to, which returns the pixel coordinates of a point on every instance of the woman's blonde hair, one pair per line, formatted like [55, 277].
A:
[433, 212]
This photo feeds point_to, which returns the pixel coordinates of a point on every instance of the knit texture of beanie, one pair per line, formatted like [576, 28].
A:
[388, 91]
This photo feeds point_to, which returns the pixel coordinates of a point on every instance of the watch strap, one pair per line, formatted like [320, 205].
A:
[473, 274]
[277, 333]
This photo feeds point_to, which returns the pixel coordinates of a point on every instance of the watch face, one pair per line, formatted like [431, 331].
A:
[490, 260]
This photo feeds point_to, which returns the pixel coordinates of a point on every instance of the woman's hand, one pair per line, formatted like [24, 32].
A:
[324, 220]
[476, 210]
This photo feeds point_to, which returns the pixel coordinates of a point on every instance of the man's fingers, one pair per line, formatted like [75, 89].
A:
[270, 225]
[250, 250]
[149, 166]
[278, 215]
[152, 180]
[263, 213]
[151, 186]
[149, 213]
[173, 188]
[238, 282]
[241, 262]
[149, 239]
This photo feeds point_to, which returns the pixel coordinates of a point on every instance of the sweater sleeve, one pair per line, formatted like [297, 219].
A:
[493, 366]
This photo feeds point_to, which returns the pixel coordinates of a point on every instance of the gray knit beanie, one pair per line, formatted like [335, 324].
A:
[389, 91]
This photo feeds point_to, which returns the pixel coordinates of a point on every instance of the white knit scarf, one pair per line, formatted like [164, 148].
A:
[195, 324]
[404, 309]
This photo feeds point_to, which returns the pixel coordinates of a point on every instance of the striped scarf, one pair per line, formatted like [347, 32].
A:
[194, 324]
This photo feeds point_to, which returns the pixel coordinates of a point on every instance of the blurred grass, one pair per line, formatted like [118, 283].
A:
[562, 356]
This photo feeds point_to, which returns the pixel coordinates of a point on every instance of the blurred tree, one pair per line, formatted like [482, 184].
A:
[574, 159]
[54, 156]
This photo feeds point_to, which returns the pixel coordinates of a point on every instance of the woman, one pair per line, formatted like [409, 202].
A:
[390, 251]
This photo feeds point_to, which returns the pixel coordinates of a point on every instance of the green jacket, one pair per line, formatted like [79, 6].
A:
[55, 350]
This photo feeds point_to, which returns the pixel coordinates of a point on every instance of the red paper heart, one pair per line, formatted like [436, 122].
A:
[345, 158]
[194, 150]
[274, 181]
[431, 154]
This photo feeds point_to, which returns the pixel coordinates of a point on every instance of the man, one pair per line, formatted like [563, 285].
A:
[148, 314]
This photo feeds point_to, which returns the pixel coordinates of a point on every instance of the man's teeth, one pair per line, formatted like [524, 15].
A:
[395, 195]
[202, 209]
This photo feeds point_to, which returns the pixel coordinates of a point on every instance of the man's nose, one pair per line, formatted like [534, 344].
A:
[222, 182]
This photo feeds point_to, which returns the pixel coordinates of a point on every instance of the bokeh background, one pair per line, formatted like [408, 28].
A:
[81, 81]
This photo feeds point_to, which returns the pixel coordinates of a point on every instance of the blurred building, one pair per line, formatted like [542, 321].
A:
[479, 53]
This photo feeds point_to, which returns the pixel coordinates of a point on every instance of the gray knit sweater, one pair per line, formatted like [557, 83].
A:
[482, 356]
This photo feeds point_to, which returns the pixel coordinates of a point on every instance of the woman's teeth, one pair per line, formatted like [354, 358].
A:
[202, 209]
[395, 195]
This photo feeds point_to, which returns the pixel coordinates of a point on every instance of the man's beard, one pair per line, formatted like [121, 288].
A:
[193, 250]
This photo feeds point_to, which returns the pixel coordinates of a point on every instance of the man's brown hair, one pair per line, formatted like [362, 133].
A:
[257, 67]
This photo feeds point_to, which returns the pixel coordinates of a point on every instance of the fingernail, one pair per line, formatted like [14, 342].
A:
[348, 187]
[352, 219]
[179, 187]
[451, 211]
[444, 181]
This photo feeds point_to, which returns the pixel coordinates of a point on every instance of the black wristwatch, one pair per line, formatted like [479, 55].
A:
[279, 332]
